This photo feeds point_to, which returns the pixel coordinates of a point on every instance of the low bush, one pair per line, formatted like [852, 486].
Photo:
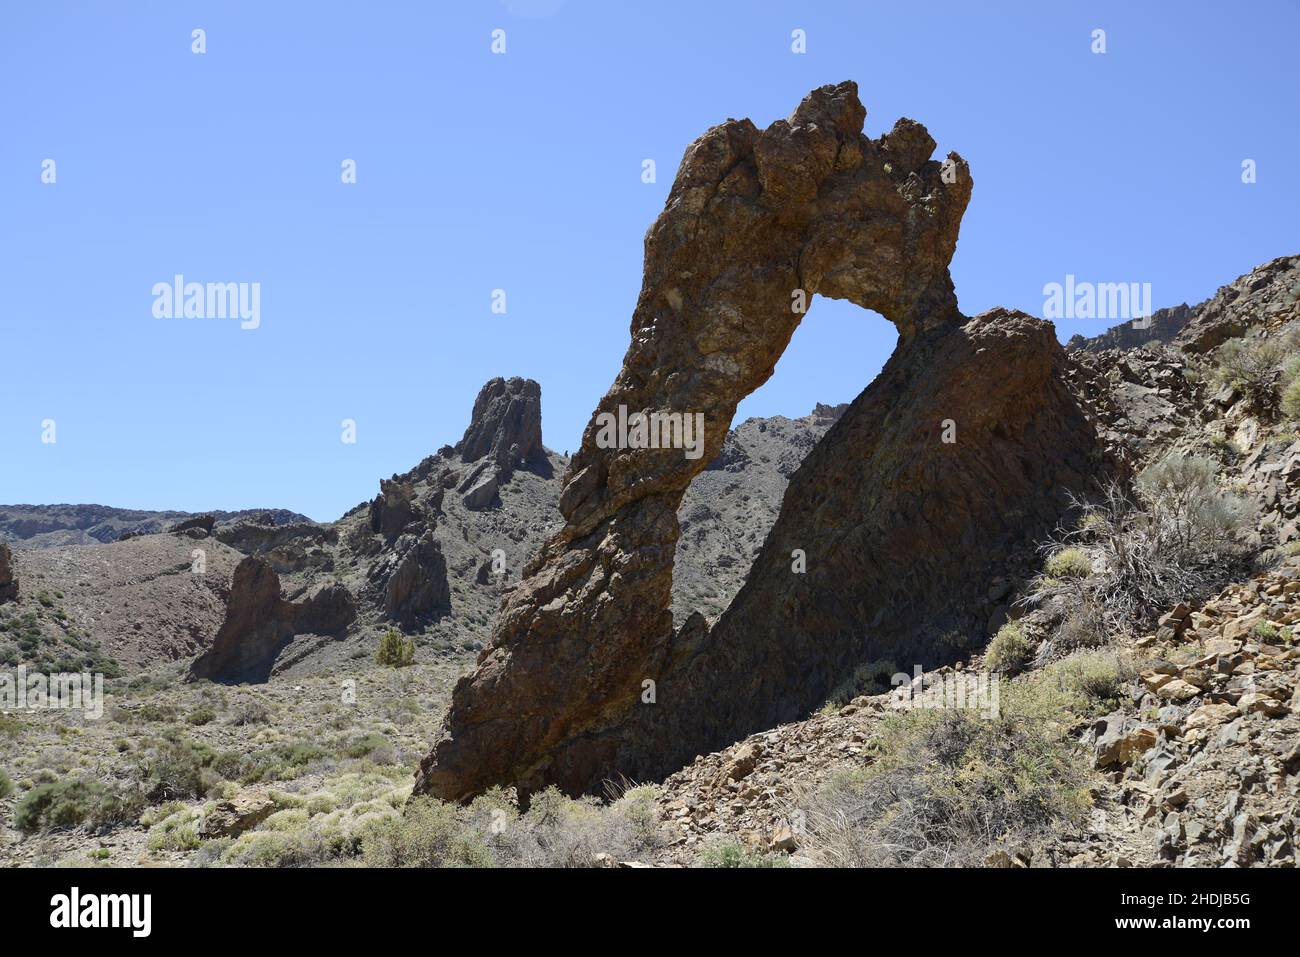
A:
[75, 802]
[1009, 651]
[1175, 537]
[949, 786]
[732, 854]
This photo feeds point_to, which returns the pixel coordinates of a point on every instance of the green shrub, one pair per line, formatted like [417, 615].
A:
[394, 650]
[1068, 563]
[250, 712]
[72, 802]
[1291, 400]
[1008, 651]
[429, 834]
[1266, 631]
[176, 767]
[201, 715]
[1255, 369]
[374, 746]
[6, 785]
[555, 831]
[1092, 682]
[731, 854]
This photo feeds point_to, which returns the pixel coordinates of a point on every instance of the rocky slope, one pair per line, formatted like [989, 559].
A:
[1196, 764]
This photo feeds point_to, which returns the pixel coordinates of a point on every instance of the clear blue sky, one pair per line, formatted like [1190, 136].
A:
[523, 172]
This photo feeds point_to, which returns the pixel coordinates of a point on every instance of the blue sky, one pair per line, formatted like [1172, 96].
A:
[522, 172]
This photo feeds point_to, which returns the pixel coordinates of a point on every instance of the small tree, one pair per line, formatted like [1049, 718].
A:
[394, 650]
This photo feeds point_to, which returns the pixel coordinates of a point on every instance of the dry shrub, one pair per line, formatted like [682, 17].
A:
[1177, 537]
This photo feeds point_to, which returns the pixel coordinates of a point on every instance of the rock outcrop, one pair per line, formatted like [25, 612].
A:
[506, 424]
[411, 580]
[8, 578]
[259, 623]
[1268, 295]
[393, 509]
[198, 527]
[290, 548]
[900, 513]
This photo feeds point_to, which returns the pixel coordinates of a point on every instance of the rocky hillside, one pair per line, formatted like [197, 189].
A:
[49, 526]
[156, 591]
[1184, 734]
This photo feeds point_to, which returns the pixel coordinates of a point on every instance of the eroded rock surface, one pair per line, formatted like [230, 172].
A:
[259, 623]
[894, 521]
[413, 579]
[506, 425]
[8, 578]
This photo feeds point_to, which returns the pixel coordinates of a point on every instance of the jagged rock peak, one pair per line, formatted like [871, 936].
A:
[506, 424]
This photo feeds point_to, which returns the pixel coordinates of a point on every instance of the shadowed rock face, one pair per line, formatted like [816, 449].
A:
[898, 527]
[8, 580]
[259, 623]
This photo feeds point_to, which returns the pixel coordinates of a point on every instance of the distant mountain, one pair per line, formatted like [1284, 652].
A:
[48, 526]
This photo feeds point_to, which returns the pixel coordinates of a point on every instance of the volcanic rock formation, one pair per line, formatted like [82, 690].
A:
[413, 579]
[259, 623]
[960, 451]
[506, 424]
[8, 580]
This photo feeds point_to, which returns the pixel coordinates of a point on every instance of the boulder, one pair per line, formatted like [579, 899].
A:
[234, 816]
[483, 492]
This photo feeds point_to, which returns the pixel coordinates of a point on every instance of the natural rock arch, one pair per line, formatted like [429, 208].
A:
[809, 205]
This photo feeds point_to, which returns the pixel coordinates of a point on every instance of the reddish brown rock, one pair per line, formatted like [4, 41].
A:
[900, 530]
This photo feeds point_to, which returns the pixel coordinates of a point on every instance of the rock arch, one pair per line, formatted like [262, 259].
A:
[809, 204]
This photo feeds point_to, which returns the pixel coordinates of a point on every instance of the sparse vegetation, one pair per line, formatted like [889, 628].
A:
[1175, 537]
[949, 785]
[556, 831]
[74, 802]
[1258, 369]
[1068, 563]
[729, 853]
